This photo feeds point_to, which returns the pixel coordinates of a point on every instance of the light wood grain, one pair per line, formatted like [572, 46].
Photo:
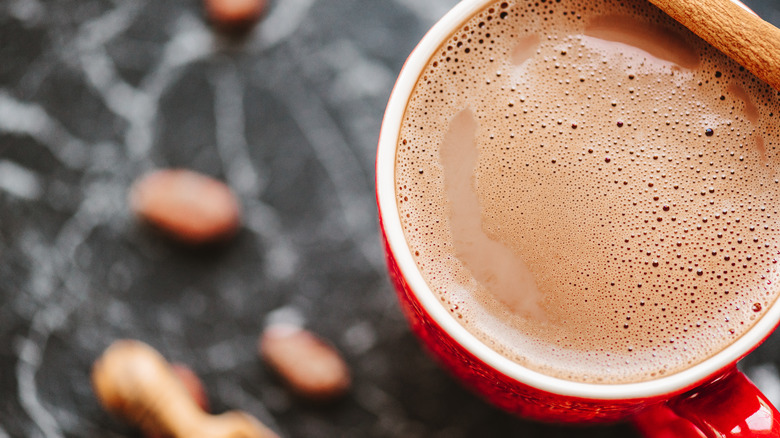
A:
[733, 30]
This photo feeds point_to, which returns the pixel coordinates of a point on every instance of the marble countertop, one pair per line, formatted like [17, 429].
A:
[93, 93]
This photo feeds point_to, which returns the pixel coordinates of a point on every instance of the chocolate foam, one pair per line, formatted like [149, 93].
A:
[594, 196]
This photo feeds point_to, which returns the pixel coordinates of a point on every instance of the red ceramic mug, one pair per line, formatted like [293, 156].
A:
[710, 399]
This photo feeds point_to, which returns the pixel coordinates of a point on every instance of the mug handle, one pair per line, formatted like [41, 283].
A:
[659, 421]
[728, 407]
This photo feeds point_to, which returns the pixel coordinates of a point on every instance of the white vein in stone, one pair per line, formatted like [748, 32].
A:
[32, 349]
[53, 263]
[99, 69]
[41, 280]
[30, 12]
[357, 76]
[135, 106]
[354, 190]
[281, 23]
[138, 106]
[119, 97]
[286, 315]
[64, 277]
[29, 362]
[71, 422]
[428, 10]
[31, 119]
[190, 43]
[19, 181]
[281, 258]
[102, 29]
[231, 135]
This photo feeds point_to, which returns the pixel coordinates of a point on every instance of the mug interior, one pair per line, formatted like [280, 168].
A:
[388, 209]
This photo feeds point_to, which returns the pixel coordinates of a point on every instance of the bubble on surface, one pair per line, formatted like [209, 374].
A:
[639, 199]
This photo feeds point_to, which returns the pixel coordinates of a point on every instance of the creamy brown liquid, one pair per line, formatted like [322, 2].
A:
[592, 190]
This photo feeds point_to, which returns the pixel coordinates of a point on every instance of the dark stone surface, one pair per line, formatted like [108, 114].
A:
[95, 92]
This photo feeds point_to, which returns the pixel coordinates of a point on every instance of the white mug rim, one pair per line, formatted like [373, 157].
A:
[388, 209]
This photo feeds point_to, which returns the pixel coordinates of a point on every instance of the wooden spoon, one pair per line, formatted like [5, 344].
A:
[733, 30]
[134, 381]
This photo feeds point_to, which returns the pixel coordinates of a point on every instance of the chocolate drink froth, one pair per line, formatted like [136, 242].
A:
[592, 190]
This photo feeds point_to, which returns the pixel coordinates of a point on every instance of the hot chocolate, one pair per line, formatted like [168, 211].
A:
[592, 190]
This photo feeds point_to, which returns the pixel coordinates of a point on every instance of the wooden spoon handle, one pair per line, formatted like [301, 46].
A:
[133, 380]
[733, 30]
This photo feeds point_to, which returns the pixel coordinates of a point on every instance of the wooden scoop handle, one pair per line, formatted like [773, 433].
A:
[733, 30]
[134, 381]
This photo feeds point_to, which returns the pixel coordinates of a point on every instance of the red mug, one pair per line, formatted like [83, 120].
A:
[710, 399]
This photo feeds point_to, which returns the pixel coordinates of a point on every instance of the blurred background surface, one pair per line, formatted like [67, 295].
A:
[93, 93]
